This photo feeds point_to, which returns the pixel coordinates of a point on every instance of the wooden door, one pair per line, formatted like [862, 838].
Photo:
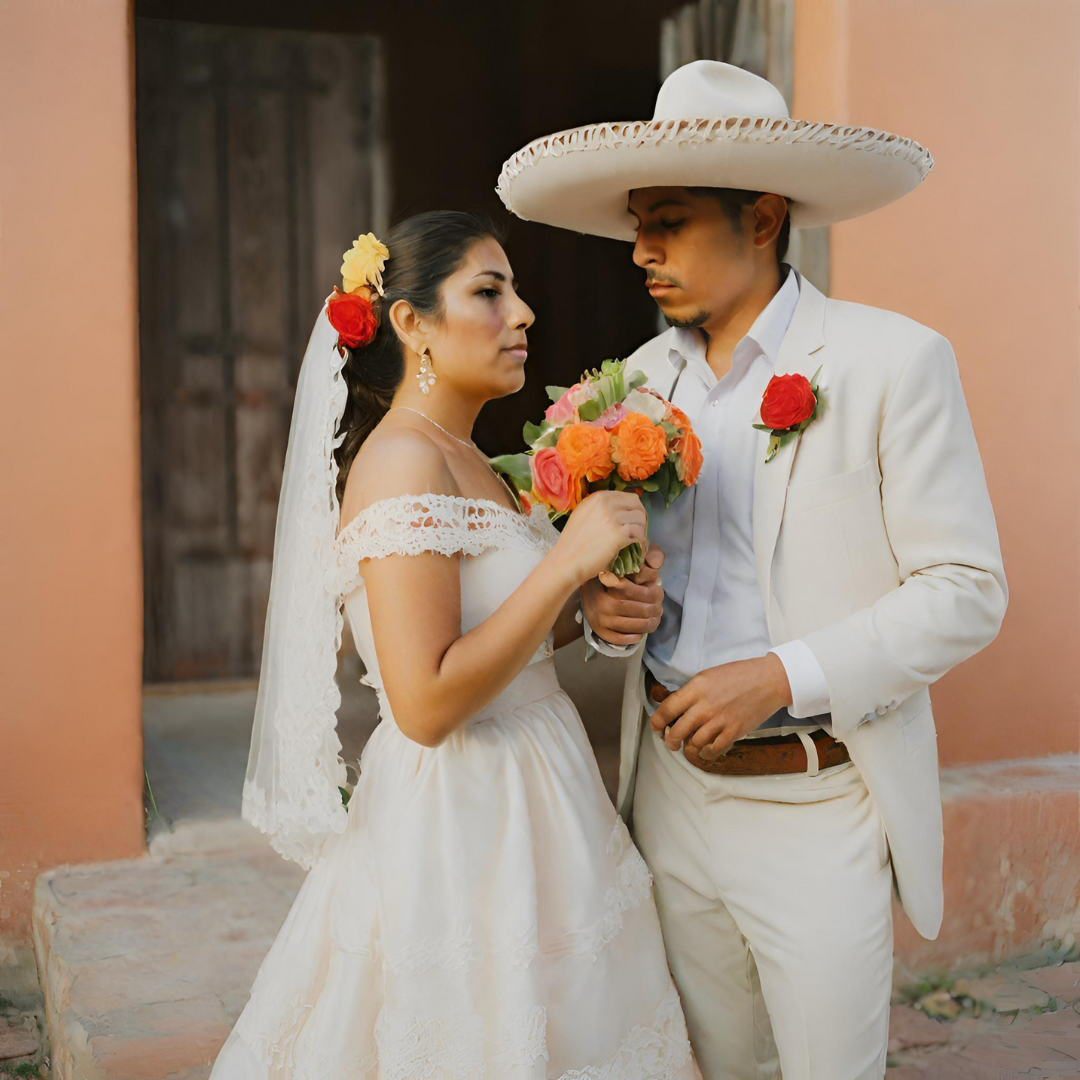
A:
[260, 157]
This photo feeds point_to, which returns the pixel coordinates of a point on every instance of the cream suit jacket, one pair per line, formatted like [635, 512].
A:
[876, 544]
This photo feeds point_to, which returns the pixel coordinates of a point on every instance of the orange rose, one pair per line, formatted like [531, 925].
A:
[679, 418]
[688, 459]
[638, 447]
[586, 451]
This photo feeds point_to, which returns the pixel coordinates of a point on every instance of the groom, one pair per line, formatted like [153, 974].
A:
[778, 746]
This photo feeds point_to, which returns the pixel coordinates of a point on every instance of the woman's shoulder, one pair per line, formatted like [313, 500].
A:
[396, 462]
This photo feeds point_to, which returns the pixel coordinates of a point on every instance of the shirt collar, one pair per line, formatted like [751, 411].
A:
[767, 332]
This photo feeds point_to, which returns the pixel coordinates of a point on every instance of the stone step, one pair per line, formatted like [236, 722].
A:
[146, 963]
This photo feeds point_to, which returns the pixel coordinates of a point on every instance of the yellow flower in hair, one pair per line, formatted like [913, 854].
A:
[363, 264]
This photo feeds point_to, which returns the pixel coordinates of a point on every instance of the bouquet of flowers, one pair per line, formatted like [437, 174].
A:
[605, 432]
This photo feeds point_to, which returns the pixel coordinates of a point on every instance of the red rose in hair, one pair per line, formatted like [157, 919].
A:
[789, 400]
[353, 317]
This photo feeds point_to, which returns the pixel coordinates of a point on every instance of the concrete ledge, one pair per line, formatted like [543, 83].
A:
[1012, 865]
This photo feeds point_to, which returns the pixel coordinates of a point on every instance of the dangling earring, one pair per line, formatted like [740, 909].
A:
[426, 377]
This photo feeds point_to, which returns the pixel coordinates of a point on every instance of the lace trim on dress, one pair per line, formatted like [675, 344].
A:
[655, 1051]
[458, 1048]
[440, 524]
[633, 886]
[460, 950]
[456, 952]
[615, 136]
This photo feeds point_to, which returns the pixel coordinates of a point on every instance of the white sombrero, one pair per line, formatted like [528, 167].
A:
[715, 125]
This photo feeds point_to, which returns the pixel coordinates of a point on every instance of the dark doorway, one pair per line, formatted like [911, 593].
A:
[259, 151]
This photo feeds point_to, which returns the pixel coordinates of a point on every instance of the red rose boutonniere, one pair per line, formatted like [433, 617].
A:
[790, 405]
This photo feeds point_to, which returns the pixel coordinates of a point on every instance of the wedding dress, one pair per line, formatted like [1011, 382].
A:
[484, 913]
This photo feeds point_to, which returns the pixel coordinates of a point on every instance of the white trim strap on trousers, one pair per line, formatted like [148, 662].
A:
[775, 899]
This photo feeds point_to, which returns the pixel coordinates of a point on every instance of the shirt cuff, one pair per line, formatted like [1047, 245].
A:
[604, 647]
[809, 690]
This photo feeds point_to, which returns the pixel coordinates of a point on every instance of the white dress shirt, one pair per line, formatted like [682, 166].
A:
[713, 609]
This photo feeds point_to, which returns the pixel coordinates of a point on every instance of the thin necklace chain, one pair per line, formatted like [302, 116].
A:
[472, 445]
[464, 442]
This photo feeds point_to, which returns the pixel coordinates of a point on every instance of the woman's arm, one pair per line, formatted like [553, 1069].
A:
[567, 626]
[435, 676]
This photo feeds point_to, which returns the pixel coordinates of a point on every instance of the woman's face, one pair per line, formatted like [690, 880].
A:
[479, 343]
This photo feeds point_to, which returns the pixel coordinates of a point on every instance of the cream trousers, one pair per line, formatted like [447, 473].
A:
[775, 899]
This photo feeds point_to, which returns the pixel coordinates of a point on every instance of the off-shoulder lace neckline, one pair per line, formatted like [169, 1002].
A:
[427, 498]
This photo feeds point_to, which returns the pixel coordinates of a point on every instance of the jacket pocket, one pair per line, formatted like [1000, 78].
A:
[864, 481]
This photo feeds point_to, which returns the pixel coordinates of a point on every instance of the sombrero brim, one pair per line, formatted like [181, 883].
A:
[579, 179]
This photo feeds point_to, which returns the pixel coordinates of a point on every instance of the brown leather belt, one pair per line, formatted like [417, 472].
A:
[767, 755]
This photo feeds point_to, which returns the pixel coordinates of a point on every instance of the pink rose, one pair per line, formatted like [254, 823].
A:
[552, 482]
[562, 411]
[610, 417]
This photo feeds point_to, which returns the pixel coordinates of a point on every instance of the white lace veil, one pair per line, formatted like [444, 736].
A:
[294, 768]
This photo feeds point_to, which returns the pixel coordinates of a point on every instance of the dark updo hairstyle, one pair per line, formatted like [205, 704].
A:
[424, 251]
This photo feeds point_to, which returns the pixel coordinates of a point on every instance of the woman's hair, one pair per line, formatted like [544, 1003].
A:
[424, 251]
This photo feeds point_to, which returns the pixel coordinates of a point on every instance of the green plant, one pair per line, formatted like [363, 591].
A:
[152, 812]
[26, 1071]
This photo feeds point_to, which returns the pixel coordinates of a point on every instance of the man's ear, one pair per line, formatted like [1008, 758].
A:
[769, 212]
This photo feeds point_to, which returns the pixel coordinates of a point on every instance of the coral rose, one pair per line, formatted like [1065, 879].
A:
[364, 263]
[552, 482]
[788, 401]
[352, 316]
[638, 447]
[586, 451]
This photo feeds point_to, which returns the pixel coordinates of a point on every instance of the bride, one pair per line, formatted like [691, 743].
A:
[479, 910]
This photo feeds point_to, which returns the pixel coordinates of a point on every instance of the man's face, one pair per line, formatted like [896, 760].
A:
[696, 263]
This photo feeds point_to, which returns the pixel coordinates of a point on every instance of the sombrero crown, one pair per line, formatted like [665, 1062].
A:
[715, 125]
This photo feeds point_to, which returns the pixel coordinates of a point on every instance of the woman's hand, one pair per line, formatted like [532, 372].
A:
[601, 526]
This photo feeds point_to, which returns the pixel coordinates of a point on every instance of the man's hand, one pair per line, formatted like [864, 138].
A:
[722, 704]
[621, 610]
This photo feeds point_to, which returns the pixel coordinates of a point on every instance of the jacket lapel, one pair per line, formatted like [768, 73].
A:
[804, 338]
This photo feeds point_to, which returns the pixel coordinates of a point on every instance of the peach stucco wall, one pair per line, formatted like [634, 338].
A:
[71, 617]
[985, 251]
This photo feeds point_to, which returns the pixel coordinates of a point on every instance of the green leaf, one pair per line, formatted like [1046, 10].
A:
[639, 378]
[590, 410]
[531, 432]
[540, 435]
[517, 467]
[555, 392]
[669, 429]
[648, 485]
[762, 427]
[344, 797]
